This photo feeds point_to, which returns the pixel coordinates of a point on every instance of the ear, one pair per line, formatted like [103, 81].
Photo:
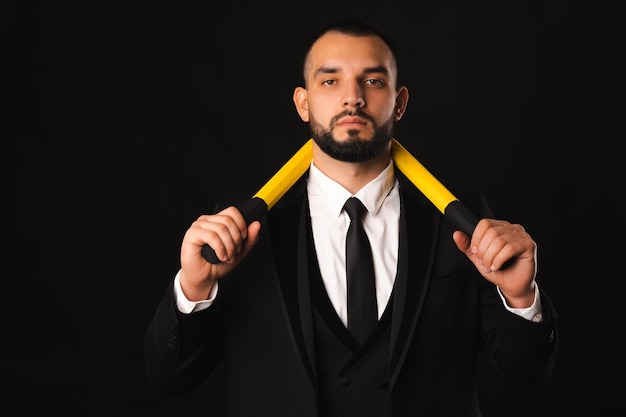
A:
[302, 103]
[402, 98]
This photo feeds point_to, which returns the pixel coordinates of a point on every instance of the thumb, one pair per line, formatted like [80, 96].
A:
[463, 242]
[254, 230]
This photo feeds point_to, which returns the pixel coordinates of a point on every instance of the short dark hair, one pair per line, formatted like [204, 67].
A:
[351, 27]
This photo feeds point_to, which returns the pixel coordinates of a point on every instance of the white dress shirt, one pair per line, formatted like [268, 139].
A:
[330, 224]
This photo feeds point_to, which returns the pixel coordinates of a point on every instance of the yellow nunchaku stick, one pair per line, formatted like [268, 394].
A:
[297, 165]
[272, 191]
[450, 206]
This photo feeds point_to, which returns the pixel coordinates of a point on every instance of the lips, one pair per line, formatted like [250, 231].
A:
[351, 120]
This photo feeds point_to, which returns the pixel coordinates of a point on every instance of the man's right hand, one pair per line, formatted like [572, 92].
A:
[226, 233]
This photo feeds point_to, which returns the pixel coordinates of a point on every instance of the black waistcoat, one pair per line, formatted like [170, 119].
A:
[353, 380]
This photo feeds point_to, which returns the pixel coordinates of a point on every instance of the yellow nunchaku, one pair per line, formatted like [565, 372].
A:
[297, 165]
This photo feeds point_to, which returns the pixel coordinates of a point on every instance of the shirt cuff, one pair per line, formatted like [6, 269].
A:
[532, 313]
[186, 306]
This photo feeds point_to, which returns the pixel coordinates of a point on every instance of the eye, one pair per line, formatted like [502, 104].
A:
[374, 82]
[329, 82]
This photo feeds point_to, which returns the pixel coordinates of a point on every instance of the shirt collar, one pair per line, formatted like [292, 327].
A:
[372, 195]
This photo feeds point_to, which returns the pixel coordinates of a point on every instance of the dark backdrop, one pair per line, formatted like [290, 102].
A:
[124, 121]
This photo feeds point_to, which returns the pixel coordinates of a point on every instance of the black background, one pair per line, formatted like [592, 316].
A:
[124, 121]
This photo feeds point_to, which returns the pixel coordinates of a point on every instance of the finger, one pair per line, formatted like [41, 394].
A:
[519, 245]
[502, 244]
[487, 242]
[253, 236]
[236, 216]
[222, 234]
[498, 253]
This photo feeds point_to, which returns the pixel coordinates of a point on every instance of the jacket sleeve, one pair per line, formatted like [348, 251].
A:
[523, 351]
[181, 350]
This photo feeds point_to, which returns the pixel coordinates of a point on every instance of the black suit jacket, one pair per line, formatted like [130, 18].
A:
[444, 315]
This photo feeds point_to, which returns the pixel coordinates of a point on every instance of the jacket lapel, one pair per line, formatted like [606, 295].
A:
[288, 223]
[418, 221]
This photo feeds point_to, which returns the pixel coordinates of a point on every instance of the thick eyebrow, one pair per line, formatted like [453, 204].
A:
[380, 69]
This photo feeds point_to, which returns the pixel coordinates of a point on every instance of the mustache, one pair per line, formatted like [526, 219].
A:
[357, 112]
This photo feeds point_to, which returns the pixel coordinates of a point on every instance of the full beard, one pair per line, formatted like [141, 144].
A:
[355, 148]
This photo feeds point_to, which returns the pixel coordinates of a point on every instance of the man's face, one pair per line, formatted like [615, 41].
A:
[350, 95]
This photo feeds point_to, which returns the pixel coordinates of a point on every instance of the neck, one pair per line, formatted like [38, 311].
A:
[351, 175]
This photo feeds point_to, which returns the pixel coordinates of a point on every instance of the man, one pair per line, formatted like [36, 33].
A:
[275, 311]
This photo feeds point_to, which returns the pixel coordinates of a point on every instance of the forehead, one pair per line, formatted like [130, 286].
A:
[340, 51]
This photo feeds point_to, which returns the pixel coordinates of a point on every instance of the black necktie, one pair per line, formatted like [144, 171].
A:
[362, 310]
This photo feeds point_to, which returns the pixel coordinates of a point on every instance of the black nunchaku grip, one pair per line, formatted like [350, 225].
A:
[252, 210]
[461, 217]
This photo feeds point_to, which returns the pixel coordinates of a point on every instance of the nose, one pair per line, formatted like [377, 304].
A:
[353, 96]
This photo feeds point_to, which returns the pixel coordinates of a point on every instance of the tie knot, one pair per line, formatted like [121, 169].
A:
[354, 208]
